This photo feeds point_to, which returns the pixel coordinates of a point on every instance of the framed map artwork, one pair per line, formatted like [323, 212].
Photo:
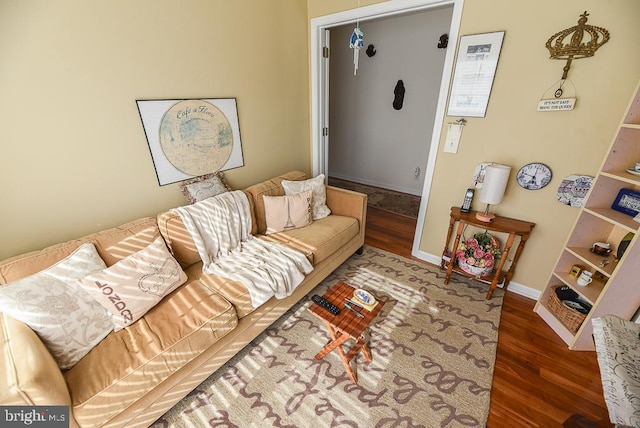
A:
[191, 137]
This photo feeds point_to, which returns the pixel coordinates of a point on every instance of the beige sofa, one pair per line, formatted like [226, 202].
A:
[134, 375]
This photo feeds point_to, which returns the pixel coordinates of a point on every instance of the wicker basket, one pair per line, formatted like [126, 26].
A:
[473, 270]
[571, 318]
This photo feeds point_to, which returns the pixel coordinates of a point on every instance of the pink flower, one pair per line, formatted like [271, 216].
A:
[461, 255]
[471, 261]
[472, 243]
[478, 253]
[488, 256]
[488, 263]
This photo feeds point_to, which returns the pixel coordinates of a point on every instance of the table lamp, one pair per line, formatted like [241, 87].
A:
[493, 187]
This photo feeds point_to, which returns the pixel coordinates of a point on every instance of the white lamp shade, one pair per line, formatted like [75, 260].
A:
[495, 182]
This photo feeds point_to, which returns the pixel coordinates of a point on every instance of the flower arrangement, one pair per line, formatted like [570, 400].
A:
[478, 255]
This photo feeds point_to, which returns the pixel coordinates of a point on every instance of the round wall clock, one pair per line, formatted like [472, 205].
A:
[534, 176]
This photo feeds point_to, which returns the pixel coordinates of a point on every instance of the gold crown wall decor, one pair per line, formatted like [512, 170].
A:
[583, 42]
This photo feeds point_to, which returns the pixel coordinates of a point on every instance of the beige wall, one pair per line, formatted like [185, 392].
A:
[74, 158]
[514, 133]
[73, 154]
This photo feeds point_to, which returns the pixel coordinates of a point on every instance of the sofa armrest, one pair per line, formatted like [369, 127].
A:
[348, 203]
[30, 375]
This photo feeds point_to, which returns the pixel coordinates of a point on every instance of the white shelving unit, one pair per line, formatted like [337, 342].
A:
[616, 286]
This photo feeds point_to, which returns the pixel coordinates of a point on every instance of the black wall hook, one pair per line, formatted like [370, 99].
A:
[444, 41]
[398, 93]
[371, 51]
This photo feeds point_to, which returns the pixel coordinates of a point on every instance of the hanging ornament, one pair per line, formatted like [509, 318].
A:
[356, 43]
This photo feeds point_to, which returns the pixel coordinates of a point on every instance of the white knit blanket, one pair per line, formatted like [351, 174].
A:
[221, 229]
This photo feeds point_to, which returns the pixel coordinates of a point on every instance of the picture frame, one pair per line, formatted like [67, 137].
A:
[628, 202]
[475, 69]
[191, 137]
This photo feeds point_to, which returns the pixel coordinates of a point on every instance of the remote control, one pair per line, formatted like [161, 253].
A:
[325, 304]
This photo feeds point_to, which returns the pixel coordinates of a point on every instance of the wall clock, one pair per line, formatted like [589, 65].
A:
[534, 176]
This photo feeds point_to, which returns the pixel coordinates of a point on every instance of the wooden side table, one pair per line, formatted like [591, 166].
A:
[500, 224]
[346, 325]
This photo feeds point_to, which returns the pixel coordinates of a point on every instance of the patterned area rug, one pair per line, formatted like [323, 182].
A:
[433, 348]
[383, 199]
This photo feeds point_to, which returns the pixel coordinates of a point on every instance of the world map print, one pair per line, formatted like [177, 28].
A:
[196, 137]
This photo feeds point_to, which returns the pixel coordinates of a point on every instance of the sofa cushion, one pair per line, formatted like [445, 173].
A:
[135, 284]
[130, 362]
[287, 212]
[317, 186]
[321, 238]
[112, 244]
[206, 186]
[179, 240]
[30, 375]
[271, 187]
[68, 321]
[317, 241]
[233, 291]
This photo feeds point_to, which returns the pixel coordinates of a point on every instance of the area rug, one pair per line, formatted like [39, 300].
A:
[433, 348]
[383, 199]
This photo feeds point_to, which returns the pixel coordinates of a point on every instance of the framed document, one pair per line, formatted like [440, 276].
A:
[474, 72]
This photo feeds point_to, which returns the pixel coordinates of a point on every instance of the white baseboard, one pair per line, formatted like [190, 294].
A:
[401, 189]
[516, 287]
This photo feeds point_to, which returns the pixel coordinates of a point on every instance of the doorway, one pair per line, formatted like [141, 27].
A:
[321, 115]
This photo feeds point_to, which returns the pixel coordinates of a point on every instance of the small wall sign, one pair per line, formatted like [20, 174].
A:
[557, 104]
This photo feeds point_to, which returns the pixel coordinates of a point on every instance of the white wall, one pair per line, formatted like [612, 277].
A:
[369, 141]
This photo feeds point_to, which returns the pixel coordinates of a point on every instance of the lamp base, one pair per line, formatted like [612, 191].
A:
[485, 217]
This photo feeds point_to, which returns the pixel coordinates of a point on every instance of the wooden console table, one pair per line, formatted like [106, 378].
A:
[500, 224]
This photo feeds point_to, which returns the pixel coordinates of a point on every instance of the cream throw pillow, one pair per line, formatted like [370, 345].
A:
[200, 188]
[287, 212]
[135, 284]
[67, 320]
[316, 185]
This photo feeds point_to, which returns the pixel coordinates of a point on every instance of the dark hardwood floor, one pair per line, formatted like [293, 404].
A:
[538, 381]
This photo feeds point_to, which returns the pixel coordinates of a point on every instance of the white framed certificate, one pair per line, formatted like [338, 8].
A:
[475, 70]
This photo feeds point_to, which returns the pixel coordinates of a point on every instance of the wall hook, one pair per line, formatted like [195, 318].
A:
[398, 91]
[371, 51]
[444, 41]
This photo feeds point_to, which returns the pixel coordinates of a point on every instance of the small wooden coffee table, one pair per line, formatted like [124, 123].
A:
[346, 325]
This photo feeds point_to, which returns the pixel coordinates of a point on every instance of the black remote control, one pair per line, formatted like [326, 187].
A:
[325, 304]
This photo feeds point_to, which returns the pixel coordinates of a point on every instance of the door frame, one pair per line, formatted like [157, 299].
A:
[319, 89]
